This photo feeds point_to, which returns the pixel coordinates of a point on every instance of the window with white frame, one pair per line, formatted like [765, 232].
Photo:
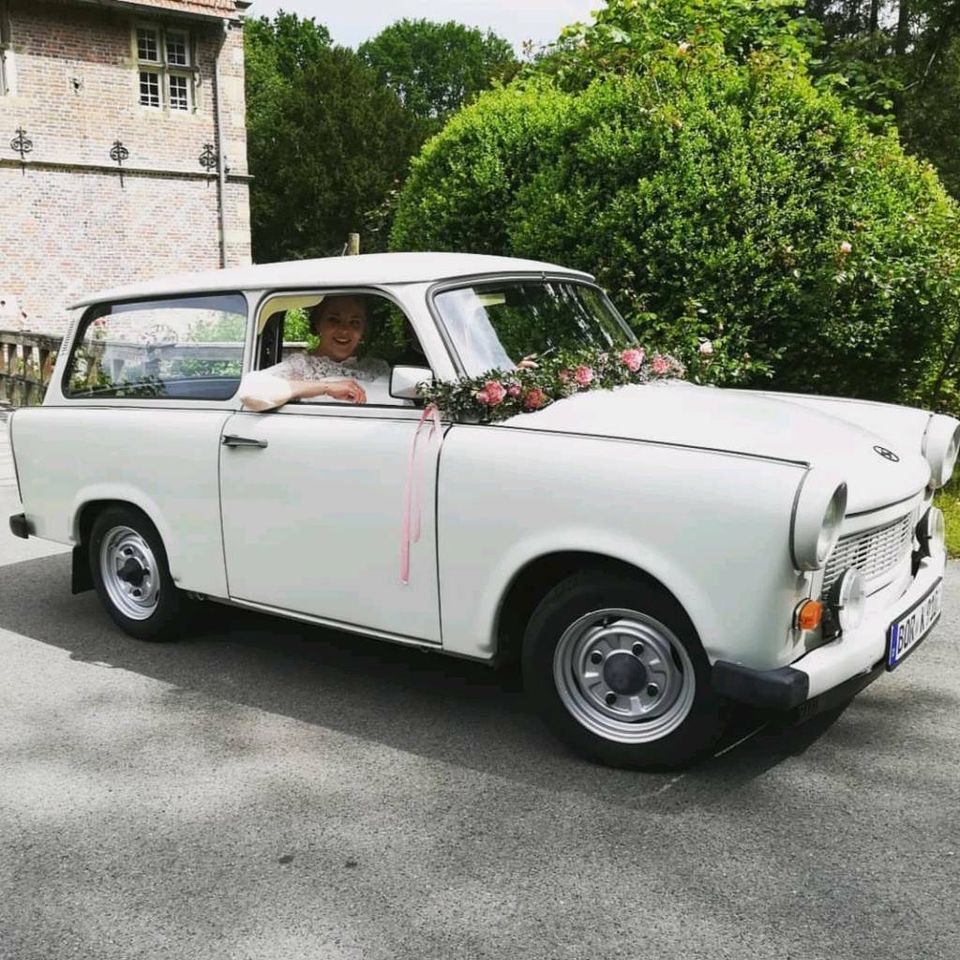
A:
[165, 65]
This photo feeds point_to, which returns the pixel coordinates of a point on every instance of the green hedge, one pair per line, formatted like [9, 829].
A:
[729, 203]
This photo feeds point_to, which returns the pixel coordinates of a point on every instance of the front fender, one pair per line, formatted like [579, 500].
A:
[713, 528]
[602, 542]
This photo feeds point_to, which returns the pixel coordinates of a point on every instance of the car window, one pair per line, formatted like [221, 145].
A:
[178, 349]
[355, 336]
[495, 325]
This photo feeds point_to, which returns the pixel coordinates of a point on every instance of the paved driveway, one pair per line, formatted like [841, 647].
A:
[267, 790]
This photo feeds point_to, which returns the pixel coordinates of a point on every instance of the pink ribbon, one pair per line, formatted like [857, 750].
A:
[413, 487]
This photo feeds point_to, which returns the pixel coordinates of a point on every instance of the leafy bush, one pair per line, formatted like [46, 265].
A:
[721, 203]
[466, 179]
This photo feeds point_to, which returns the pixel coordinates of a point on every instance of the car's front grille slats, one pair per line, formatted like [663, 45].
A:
[873, 552]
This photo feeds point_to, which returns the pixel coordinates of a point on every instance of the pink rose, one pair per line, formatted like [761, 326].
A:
[563, 376]
[495, 392]
[660, 365]
[534, 399]
[583, 375]
[513, 390]
[483, 397]
[632, 359]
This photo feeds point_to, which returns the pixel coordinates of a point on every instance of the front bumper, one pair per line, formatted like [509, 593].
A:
[834, 672]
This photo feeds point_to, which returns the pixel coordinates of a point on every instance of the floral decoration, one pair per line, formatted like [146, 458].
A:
[499, 394]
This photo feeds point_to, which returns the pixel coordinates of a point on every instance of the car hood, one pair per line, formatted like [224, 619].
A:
[683, 414]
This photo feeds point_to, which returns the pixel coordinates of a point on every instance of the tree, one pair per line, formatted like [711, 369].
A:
[327, 141]
[435, 68]
[900, 61]
[626, 34]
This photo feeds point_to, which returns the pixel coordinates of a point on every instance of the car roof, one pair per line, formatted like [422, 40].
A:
[363, 270]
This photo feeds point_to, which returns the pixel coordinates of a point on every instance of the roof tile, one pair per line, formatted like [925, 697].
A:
[213, 8]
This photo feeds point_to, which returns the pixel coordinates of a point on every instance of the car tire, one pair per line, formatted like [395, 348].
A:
[614, 666]
[131, 576]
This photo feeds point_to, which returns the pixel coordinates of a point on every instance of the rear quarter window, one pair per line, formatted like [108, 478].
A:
[175, 349]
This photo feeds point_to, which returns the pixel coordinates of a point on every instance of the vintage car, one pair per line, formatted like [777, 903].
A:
[650, 554]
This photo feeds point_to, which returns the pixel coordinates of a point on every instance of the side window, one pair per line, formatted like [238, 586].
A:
[349, 336]
[185, 349]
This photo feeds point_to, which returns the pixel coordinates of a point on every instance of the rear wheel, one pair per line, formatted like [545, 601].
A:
[131, 576]
[616, 669]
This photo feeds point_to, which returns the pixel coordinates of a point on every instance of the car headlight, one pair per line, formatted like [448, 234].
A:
[941, 443]
[817, 516]
[931, 532]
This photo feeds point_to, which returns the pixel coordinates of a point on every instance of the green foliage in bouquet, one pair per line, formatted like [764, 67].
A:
[500, 394]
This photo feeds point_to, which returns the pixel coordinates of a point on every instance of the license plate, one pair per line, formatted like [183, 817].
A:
[904, 634]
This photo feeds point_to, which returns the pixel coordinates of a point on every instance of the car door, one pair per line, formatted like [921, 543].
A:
[313, 508]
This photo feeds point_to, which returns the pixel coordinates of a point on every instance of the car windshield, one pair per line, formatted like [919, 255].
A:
[495, 325]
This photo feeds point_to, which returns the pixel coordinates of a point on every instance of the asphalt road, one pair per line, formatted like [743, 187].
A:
[266, 790]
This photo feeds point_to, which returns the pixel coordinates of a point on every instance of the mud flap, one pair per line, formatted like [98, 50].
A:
[81, 579]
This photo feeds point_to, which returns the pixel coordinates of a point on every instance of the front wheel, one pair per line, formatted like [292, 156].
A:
[130, 573]
[616, 669]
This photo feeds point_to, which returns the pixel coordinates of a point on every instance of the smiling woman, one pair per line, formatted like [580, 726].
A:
[330, 369]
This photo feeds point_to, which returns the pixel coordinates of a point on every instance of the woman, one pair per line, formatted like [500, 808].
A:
[331, 369]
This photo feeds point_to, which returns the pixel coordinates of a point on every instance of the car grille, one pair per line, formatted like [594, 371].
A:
[872, 552]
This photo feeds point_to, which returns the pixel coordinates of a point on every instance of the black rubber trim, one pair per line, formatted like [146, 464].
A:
[19, 526]
[781, 689]
[81, 577]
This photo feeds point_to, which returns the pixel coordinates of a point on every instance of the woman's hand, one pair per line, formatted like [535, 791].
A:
[348, 390]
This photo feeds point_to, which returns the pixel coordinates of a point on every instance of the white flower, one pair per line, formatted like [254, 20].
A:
[706, 348]
[845, 247]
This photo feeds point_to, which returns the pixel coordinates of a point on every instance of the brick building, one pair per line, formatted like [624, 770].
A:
[115, 116]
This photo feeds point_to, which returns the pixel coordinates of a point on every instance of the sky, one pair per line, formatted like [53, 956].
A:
[353, 21]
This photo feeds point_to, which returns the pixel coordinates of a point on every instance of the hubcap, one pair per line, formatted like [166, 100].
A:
[624, 675]
[129, 571]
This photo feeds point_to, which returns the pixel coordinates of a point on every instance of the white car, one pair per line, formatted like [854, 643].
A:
[649, 553]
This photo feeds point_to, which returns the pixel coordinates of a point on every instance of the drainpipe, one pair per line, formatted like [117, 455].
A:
[221, 151]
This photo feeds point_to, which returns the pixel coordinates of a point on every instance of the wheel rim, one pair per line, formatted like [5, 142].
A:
[624, 676]
[129, 571]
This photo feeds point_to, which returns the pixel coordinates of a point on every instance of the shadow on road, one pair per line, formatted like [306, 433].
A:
[451, 710]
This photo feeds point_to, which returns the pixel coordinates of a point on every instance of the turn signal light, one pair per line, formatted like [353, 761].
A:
[808, 615]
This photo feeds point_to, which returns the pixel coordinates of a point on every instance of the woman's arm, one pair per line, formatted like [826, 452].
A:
[264, 390]
[348, 390]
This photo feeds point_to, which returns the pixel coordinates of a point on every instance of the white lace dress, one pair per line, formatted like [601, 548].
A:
[269, 388]
[306, 366]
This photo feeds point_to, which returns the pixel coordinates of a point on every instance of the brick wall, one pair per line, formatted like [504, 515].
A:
[69, 224]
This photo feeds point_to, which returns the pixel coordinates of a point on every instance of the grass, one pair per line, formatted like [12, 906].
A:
[948, 500]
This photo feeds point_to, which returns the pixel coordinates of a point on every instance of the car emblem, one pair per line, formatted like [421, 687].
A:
[887, 454]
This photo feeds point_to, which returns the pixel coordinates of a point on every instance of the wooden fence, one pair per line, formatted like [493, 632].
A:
[26, 362]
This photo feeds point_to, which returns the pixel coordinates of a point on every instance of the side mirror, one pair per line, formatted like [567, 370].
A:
[404, 381]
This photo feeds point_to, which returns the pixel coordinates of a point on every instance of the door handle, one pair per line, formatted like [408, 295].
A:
[232, 440]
